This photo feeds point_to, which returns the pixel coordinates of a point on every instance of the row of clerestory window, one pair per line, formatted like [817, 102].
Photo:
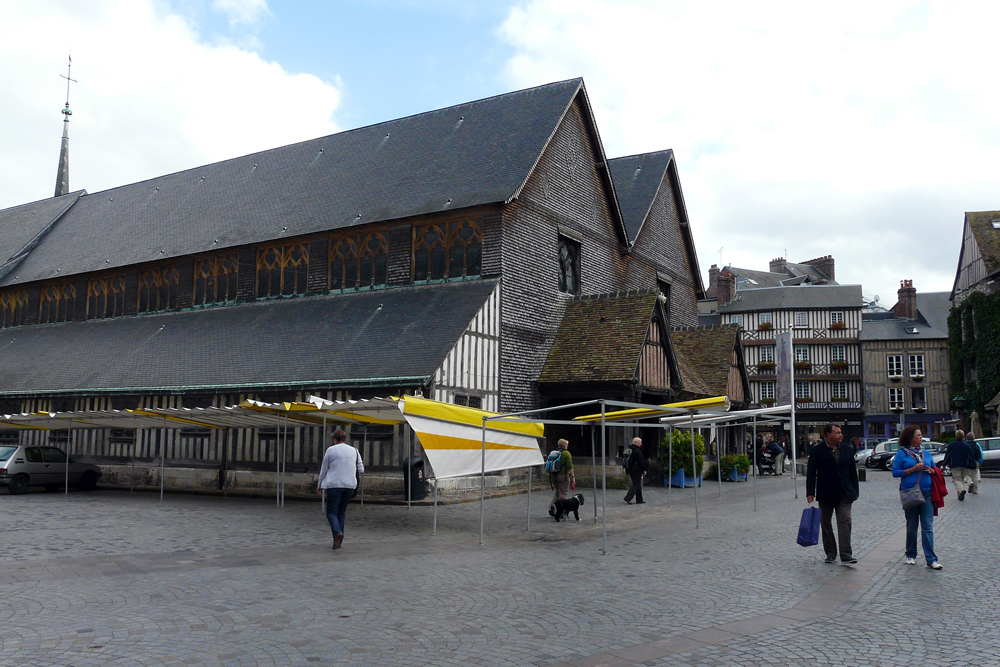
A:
[441, 251]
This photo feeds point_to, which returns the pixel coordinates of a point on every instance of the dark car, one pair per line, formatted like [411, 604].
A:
[22, 466]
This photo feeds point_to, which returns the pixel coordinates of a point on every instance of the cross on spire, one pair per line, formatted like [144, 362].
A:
[69, 79]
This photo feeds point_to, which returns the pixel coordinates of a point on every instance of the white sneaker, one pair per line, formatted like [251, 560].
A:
[911, 561]
[936, 566]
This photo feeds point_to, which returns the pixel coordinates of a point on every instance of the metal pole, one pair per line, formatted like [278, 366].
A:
[364, 446]
[670, 461]
[713, 433]
[284, 457]
[604, 479]
[322, 448]
[756, 469]
[482, 489]
[277, 461]
[163, 446]
[530, 471]
[694, 473]
[407, 481]
[795, 483]
[131, 475]
[435, 531]
[69, 446]
[593, 466]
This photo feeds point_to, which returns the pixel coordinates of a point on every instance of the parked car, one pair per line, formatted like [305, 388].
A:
[991, 453]
[864, 450]
[23, 466]
[884, 451]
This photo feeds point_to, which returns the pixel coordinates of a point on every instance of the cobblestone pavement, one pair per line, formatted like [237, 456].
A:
[112, 578]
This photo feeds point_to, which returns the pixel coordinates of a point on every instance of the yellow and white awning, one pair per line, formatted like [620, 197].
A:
[713, 404]
[452, 438]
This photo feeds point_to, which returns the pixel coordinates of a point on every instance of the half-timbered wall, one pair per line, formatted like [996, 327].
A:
[935, 380]
[972, 272]
[472, 368]
[654, 369]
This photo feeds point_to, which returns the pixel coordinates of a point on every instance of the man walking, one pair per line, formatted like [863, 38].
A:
[778, 454]
[977, 454]
[338, 476]
[960, 458]
[636, 467]
[832, 479]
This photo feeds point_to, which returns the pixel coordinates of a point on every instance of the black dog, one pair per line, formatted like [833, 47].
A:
[562, 507]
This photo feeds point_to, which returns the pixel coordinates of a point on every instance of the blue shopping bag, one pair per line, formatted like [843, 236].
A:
[809, 527]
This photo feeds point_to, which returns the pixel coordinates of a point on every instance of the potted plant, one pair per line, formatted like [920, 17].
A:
[765, 367]
[918, 377]
[765, 326]
[767, 401]
[895, 378]
[838, 325]
[803, 366]
[735, 467]
[804, 399]
[838, 365]
[683, 472]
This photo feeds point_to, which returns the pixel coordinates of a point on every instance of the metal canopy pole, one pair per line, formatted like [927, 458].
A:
[713, 433]
[593, 466]
[482, 489]
[163, 447]
[530, 482]
[604, 479]
[756, 467]
[670, 461]
[131, 475]
[694, 472]
[435, 531]
[277, 462]
[322, 448]
[364, 446]
[69, 447]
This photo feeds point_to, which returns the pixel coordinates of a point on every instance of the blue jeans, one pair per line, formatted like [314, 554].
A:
[336, 508]
[924, 514]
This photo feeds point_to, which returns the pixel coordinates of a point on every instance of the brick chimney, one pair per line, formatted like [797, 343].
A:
[777, 265]
[725, 286]
[906, 300]
[825, 265]
[713, 275]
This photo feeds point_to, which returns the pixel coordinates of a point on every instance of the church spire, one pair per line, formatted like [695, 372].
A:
[62, 174]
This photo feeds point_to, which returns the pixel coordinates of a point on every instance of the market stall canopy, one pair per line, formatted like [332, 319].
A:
[713, 404]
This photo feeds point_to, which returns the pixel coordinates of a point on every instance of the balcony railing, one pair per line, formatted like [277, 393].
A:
[833, 369]
[799, 333]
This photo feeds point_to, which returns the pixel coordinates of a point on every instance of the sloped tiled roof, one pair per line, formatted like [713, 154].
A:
[637, 179]
[385, 337]
[708, 351]
[23, 226]
[471, 154]
[600, 338]
[934, 308]
[801, 297]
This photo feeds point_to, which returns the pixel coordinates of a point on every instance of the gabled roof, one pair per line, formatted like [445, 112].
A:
[600, 338]
[378, 338]
[934, 308]
[472, 154]
[638, 180]
[22, 227]
[931, 322]
[708, 352]
[801, 297]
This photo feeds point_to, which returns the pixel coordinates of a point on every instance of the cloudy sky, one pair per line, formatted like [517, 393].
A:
[861, 130]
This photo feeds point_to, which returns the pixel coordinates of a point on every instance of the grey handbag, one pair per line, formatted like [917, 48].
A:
[912, 496]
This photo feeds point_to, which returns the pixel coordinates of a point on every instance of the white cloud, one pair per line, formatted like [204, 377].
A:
[242, 12]
[864, 130]
[152, 97]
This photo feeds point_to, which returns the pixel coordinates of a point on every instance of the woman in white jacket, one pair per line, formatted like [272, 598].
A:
[338, 477]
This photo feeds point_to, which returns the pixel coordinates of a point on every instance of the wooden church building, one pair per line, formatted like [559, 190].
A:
[462, 254]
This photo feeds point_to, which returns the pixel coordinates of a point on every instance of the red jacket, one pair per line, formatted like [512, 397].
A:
[938, 489]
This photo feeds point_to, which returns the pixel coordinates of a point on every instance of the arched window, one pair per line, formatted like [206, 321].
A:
[13, 307]
[106, 297]
[282, 270]
[215, 279]
[56, 303]
[158, 289]
[449, 250]
[358, 261]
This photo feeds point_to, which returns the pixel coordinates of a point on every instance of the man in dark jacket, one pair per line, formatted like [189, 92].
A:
[832, 479]
[962, 461]
[636, 468]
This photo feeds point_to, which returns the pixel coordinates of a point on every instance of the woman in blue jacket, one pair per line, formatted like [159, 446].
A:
[912, 463]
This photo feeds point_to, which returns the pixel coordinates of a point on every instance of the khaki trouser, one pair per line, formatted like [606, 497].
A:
[560, 484]
[974, 487]
[961, 478]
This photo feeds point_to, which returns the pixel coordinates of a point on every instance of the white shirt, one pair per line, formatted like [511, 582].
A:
[341, 467]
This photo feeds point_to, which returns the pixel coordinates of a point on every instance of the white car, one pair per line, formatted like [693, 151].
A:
[864, 450]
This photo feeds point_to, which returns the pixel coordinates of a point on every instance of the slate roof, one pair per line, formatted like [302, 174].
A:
[375, 338]
[802, 297]
[600, 338]
[477, 153]
[708, 352]
[637, 179]
[934, 308]
[932, 321]
[21, 227]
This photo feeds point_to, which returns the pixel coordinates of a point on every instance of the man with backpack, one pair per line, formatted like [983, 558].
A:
[559, 465]
[636, 467]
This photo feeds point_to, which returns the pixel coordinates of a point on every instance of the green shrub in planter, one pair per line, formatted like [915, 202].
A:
[682, 454]
[738, 462]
